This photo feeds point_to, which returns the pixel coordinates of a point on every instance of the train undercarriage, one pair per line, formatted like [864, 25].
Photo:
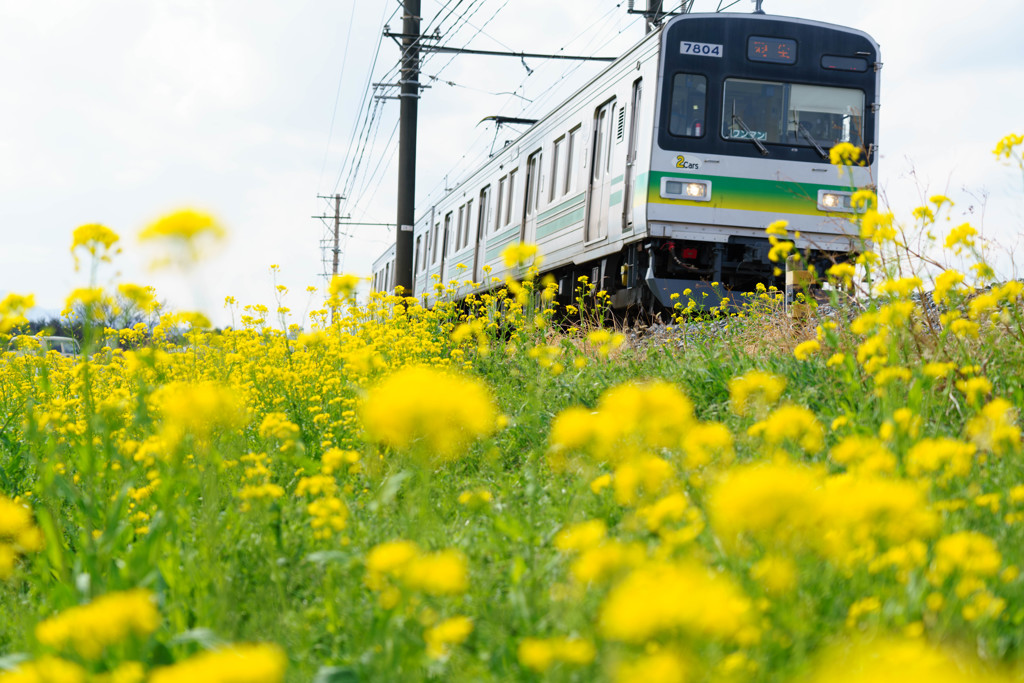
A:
[645, 275]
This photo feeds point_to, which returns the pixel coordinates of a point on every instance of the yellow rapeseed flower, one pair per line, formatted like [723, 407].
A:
[844, 154]
[995, 428]
[18, 534]
[539, 654]
[199, 409]
[186, 224]
[106, 621]
[655, 667]
[863, 453]
[777, 574]
[843, 272]
[969, 552]
[184, 234]
[945, 283]
[255, 663]
[900, 287]
[666, 597]
[13, 308]
[518, 254]
[630, 418]
[975, 388]
[754, 393]
[433, 413]
[706, 443]
[806, 349]
[960, 236]
[793, 424]
[1004, 148]
[773, 503]
[94, 238]
[342, 288]
[581, 535]
[898, 660]
[601, 562]
[451, 631]
[46, 669]
[445, 572]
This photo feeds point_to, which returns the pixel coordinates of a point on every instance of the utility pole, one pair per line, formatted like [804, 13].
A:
[337, 226]
[337, 230]
[409, 80]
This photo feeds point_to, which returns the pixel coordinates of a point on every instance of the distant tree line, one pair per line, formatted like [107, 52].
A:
[117, 313]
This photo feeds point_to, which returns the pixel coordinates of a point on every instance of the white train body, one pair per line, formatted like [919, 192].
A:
[661, 173]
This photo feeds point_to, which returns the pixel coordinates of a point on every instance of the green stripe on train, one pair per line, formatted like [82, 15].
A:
[568, 203]
[498, 242]
[561, 223]
[748, 194]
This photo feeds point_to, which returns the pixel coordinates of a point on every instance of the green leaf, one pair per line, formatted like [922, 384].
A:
[54, 542]
[204, 637]
[336, 674]
[392, 485]
[11, 662]
[323, 557]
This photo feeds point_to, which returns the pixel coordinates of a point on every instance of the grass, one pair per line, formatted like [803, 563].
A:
[743, 507]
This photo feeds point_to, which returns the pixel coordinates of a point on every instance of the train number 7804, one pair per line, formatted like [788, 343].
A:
[701, 49]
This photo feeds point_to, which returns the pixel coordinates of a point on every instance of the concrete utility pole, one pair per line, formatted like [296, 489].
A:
[410, 93]
[337, 230]
[409, 80]
[337, 226]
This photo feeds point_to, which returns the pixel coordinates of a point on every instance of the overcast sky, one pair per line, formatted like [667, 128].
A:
[116, 111]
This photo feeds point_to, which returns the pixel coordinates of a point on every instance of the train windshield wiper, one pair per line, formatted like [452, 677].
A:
[807, 134]
[750, 134]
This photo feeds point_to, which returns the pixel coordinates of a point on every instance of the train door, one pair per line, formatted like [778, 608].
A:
[600, 178]
[481, 230]
[531, 198]
[627, 194]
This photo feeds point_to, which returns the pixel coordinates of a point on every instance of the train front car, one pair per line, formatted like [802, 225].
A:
[748, 109]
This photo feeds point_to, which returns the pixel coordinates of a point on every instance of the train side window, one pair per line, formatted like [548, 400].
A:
[416, 255]
[435, 239]
[571, 152]
[501, 202]
[533, 183]
[481, 223]
[556, 152]
[689, 102]
[469, 218]
[458, 228]
[511, 194]
[446, 244]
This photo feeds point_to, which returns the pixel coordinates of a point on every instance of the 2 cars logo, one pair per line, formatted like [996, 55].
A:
[690, 163]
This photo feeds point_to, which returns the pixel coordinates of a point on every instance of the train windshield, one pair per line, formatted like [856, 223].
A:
[792, 114]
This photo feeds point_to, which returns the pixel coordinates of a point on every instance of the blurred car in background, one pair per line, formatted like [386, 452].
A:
[65, 346]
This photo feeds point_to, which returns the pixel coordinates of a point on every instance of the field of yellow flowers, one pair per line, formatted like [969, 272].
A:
[501, 491]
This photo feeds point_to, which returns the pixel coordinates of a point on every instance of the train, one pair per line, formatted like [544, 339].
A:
[659, 176]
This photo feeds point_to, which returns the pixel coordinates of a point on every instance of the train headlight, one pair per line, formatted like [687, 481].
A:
[691, 190]
[830, 200]
[696, 190]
